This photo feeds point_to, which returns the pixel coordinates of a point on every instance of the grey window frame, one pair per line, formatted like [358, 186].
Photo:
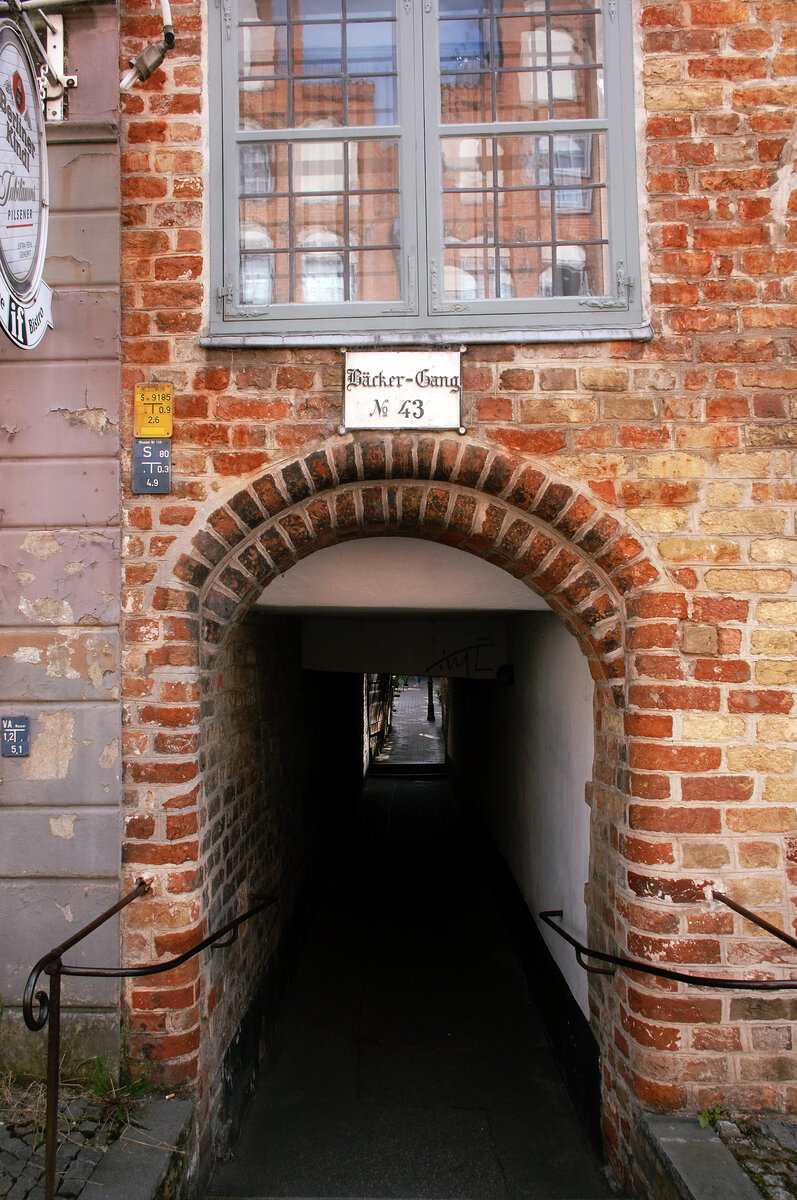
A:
[424, 318]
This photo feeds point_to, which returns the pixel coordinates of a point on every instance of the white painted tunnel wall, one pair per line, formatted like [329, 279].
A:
[538, 816]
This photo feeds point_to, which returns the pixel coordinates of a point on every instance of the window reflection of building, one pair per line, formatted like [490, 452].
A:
[257, 265]
[556, 66]
[479, 275]
[523, 214]
[568, 277]
[322, 269]
[522, 198]
[572, 157]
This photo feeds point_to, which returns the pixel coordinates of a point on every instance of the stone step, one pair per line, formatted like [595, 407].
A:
[420, 770]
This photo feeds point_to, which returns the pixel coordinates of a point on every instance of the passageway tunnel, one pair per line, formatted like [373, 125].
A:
[390, 987]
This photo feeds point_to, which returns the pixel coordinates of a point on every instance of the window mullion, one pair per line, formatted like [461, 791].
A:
[431, 276]
[410, 163]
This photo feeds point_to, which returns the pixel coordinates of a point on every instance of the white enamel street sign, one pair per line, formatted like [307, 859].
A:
[25, 300]
[402, 389]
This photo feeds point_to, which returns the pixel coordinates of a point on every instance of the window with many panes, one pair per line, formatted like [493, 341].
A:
[423, 170]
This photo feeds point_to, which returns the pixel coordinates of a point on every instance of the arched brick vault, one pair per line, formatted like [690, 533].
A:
[556, 539]
[560, 540]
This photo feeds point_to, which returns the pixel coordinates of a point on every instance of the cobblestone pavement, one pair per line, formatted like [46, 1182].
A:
[767, 1150]
[83, 1139]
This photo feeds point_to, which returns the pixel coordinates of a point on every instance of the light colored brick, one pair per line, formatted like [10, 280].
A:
[780, 819]
[774, 641]
[774, 550]
[687, 97]
[755, 891]
[720, 495]
[590, 466]
[750, 466]
[777, 729]
[693, 549]
[612, 721]
[749, 581]
[663, 70]
[776, 671]
[545, 410]
[621, 406]
[659, 520]
[761, 758]
[604, 379]
[777, 612]
[753, 520]
[673, 466]
[780, 791]
[697, 727]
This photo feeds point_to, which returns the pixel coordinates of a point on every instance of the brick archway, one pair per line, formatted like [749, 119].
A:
[554, 537]
[595, 573]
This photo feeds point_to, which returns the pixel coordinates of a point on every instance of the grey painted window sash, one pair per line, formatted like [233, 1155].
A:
[423, 315]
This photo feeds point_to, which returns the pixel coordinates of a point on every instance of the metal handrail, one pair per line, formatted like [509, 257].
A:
[49, 1004]
[647, 968]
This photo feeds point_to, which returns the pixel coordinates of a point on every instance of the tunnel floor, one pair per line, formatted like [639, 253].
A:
[408, 1061]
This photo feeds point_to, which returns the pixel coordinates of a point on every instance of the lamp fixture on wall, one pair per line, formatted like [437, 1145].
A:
[151, 57]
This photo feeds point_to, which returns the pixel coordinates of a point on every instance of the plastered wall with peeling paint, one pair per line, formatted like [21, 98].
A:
[59, 577]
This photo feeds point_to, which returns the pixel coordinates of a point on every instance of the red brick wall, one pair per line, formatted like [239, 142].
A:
[677, 453]
[260, 794]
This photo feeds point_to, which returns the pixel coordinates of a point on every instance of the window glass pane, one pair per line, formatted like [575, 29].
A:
[469, 274]
[523, 97]
[262, 51]
[318, 166]
[304, 206]
[469, 217]
[265, 223]
[374, 220]
[315, 55]
[370, 8]
[524, 215]
[466, 98]
[321, 278]
[373, 101]
[261, 10]
[523, 220]
[317, 102]
[317, 49]
[375, 275]
[543, 63]
[265, 279]
[548, 221]
[467, 162]
[373, 165]
[370, 48]
[307, 10]
[257, 278]
[517, 160]
[463, 8]
[525, 268]
[262, 105]
[263, 169]
[464, 46]
[319, 224]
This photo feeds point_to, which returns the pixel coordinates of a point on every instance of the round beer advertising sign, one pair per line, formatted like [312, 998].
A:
[25, 301]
